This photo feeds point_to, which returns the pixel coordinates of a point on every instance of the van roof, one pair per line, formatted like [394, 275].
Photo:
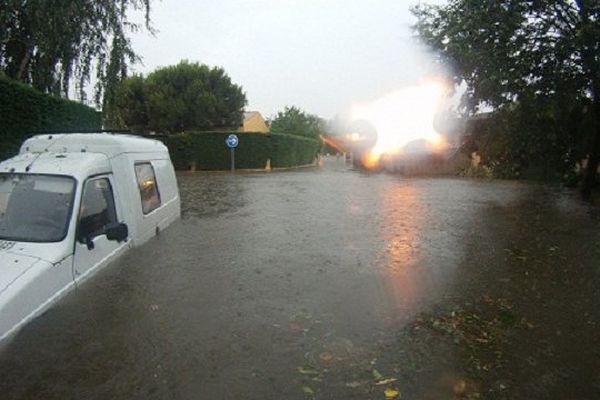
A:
[80, 165]
[108, 144]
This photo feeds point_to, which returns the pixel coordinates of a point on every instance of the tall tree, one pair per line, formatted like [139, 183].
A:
[522, 51]
[50, 43]
[177, 98]
[294, 121]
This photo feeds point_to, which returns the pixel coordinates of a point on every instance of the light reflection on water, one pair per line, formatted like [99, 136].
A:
[405, 212]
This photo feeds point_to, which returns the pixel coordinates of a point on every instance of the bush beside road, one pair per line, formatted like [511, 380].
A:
[207, 150]
[24, 111]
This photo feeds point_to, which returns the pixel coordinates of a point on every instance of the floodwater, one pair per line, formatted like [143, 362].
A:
[334, 284]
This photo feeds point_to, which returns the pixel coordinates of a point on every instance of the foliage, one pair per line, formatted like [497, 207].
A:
[48, 43]
[531, 140]
[207, 150]
[480, 171]
[24, 110]
[290, 150]
[128, 108]
[294, 121]
[507, 50]
[542, 57]
[177, 98]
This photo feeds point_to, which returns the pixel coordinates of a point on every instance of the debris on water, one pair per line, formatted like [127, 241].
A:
[385, 381]
[377, 375]
[482, 328]
[296, 328]
[326, 356]
[353, 384]
[459, 387]
[308, 371]
[391, 393]
[308, 392]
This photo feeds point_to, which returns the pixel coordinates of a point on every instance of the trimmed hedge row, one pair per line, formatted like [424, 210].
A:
[25, 111]
[207, 150]
[292, 151]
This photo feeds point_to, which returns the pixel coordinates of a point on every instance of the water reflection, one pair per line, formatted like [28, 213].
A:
[428, 226]
[211, 193]
[403, 260]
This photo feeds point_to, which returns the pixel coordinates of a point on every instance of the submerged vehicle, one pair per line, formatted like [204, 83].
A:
[69, 205]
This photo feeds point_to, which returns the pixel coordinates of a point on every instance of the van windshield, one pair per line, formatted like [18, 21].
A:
[35, 208]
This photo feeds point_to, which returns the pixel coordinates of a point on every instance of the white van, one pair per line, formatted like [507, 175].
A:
[69, 205]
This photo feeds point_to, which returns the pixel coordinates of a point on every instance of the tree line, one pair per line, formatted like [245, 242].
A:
[52, 44]
[177, 98]
[59, 47]
[193, 96]
[535, 63]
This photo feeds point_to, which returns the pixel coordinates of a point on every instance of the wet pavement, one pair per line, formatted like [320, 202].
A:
[334, 284]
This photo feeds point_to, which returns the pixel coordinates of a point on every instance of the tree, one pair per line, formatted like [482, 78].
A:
[127, 107]
[294, 121]
[543, 55]
[49, 43]
[177, 98]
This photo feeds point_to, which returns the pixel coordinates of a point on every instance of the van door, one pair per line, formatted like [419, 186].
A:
[97, 212]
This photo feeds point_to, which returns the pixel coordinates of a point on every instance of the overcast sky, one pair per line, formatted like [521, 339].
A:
[321, 55]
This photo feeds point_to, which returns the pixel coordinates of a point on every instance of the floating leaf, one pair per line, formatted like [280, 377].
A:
[391, 393]
[308, 371]
[459, 387]
[386, 381]
[307, 390]
[353, 384]
[377, 375]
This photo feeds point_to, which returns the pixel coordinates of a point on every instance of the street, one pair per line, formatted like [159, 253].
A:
[330, 283]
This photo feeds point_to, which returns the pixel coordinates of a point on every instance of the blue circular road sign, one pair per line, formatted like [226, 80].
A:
[232, 141]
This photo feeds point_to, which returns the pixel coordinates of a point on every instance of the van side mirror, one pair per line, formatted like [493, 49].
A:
[87, 240]
[118, 232]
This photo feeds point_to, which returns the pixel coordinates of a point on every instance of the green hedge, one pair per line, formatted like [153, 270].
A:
[25, 111]
[207, 150]
[290, 151]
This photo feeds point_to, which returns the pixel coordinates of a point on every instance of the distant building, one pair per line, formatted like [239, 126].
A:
[254, 122]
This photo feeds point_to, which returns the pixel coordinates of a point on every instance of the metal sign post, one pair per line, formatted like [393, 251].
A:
[232, 142]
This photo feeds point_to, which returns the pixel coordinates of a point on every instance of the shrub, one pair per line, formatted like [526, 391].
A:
[25, 111]
[290, 151]
[207, 150]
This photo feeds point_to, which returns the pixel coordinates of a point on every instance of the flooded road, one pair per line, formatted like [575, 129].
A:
[334, 284]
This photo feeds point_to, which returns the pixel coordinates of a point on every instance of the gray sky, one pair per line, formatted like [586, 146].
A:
[321, 55]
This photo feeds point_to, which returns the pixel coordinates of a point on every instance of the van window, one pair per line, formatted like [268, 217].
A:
[148, 187]
[35, 208]
[97, 209]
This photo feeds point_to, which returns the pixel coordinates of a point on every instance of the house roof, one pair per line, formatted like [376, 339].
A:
[251, 114]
